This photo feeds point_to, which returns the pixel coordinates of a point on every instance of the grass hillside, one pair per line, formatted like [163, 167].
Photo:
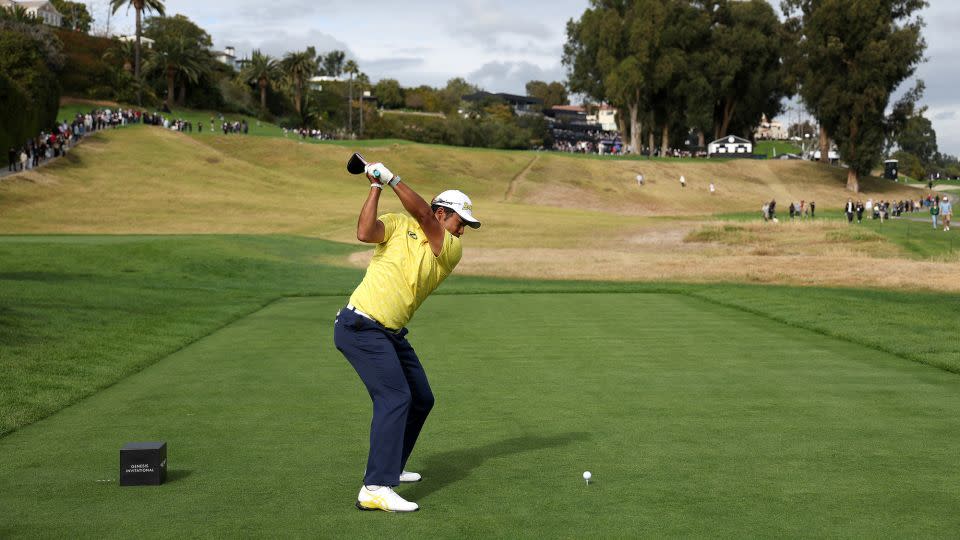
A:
[565, 216]
[216, 183]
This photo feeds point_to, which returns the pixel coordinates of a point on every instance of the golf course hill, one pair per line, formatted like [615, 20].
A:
[567, 216]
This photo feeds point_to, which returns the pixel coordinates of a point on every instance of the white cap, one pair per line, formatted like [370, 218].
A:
[458, 202]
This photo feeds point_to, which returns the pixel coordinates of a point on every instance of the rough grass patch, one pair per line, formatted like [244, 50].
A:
[726, 233]
[855, 235]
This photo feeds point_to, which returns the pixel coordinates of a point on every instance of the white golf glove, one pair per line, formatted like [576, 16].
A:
[377, 172]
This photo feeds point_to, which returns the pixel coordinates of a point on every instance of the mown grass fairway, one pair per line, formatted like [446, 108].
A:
[696, 419]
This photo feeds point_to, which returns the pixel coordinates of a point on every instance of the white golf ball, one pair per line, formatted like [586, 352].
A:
[587, 475]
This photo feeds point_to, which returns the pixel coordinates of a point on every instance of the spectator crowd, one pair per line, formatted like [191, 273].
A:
[57, 141]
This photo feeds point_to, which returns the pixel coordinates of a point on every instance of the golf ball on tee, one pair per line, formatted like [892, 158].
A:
[587, 475]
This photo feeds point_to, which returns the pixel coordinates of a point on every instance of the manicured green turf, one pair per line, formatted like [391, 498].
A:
[695, 419]
[80, 313]
[775, 149]
[915, 232]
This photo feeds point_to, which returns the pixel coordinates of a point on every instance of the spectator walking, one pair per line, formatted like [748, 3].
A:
[946, 210]
[683, 181]
[712, 188]
[639, 179]
[773, 210]
[813, 209]
[934, 212]
[12, 158]
[859, 211]
[849, 209]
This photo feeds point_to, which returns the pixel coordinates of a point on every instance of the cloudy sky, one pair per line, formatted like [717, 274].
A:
[498, 45]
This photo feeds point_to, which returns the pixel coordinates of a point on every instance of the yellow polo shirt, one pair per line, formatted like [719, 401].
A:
[403, 271]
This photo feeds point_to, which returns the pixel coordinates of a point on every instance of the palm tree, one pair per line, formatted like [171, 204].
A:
[262, 70]
[19, 14]
[139, 6]
[299, 67]
[122, 51]
[352, 69]
[182, 57]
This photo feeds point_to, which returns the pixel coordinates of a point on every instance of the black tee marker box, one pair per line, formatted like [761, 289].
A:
[143, 464]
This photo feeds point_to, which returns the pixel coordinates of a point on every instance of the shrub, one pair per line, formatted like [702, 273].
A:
[29, 90]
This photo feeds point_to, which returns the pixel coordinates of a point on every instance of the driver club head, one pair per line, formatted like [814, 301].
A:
[357, 164]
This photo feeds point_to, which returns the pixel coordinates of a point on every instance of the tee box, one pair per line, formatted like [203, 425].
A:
[143, 464]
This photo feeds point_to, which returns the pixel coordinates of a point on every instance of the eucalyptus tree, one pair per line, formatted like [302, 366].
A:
[747, 48]
[852, 56]
[155, 6]
[605, 54]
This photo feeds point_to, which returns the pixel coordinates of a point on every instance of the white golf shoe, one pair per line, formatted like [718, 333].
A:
[407, 477]
[384, 498]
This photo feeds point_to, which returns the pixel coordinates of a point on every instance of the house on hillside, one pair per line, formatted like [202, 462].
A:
[768, 130]
[605, 117]
[316, 82]
[730, 146]
[38, 8]
[227, 56]
[145, 42]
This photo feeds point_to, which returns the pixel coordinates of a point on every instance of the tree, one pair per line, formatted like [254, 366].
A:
[852, 56]
[452, 94]
[179, 57]
[123, 53]
[333, 63]
[30, 60]
[910, 165]
[747, 45]
[905, 108]
[389, 93]
[554, 93]
[262, 70]
[75, 15]
[919, 138]
[173, 28]
[299, 67]
[19, 14]
[351, 68]
[181, 52]
[606, 53]
[139, 6]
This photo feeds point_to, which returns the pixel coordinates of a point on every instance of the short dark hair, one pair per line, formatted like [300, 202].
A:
[446, 210]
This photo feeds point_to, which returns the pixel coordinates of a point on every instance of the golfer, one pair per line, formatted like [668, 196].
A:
[413, 256]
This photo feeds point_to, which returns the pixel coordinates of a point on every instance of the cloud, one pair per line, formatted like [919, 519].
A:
[490, 24]
[512, 77]
[277, 44]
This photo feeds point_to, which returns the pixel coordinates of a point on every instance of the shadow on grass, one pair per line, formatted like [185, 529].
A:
[445, 468]
[175, 475]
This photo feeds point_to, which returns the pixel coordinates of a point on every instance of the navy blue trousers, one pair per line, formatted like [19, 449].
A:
[398, 386]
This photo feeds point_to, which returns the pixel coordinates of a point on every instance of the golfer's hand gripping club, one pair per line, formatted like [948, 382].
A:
[379, 173]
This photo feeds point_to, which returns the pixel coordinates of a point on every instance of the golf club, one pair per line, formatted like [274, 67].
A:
[357, 164]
